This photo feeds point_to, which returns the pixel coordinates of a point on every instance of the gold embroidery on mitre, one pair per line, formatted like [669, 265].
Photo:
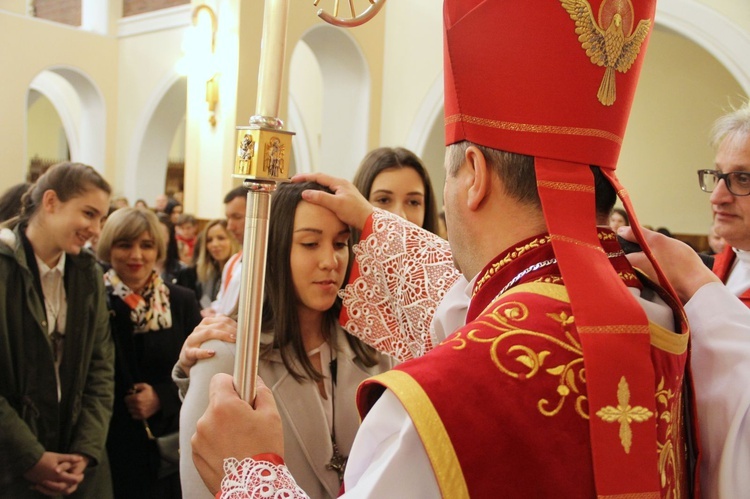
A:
[625, 414]
[608, 46]
[523, 127]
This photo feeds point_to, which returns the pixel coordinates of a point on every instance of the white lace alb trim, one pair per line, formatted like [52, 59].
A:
[251, 479]
[404, 273]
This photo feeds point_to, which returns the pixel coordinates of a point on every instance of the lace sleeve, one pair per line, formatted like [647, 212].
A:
[400, 274]
[251, 479]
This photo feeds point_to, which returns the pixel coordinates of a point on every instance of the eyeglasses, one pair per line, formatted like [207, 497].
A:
[738, 183]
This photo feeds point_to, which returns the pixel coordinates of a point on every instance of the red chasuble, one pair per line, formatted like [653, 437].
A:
[723, 265]
[517, 423]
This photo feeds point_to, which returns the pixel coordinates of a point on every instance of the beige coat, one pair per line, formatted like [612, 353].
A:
[307, 441]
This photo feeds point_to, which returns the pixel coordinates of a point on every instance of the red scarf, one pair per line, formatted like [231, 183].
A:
[723, 263]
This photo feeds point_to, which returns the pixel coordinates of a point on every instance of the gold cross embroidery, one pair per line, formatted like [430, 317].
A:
[624, 414]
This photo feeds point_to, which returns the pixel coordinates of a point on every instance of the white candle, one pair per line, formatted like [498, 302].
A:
[272, 51]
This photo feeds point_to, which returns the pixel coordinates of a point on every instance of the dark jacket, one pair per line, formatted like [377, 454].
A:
[31, 418]
[147, 358]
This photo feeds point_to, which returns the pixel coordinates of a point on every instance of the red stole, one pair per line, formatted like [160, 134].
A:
[517, 422]
[723, 265]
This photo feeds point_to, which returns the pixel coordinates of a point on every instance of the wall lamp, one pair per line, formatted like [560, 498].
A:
[212, 84]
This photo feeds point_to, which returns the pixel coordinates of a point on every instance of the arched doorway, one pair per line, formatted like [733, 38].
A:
[80, 109]
[154, 138]
[329, 98]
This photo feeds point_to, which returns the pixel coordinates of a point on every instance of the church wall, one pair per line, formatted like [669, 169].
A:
[48, 45]
[736, 10]
[144, 71]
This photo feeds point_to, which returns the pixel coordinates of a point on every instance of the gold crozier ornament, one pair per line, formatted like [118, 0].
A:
[605, 40]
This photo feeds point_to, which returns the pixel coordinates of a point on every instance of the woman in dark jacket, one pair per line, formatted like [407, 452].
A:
[56, 353]
[150, 321]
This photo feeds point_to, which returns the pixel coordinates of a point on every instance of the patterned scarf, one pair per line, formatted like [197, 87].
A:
[149, 311]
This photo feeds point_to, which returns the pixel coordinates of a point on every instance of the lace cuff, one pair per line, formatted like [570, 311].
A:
[400, 274]
[251, 479]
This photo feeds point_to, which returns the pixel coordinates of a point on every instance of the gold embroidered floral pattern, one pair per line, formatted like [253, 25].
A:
[625, 414]
[627, 276]
[515, 350]
[506, 319]
[668, 407]
[512, 255]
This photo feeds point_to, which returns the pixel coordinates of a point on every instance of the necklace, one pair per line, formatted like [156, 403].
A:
[534, 267]
[552, 261]
[511, 256]
[338, 460]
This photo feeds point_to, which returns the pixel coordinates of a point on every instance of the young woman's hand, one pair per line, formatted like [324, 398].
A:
[216, 327]
[57, 474]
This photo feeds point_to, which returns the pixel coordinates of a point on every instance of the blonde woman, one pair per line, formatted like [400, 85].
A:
[215, 246]
[150, 319]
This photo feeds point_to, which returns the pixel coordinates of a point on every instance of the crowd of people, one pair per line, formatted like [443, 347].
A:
[144, 334]
[527, 355]
[158, 278]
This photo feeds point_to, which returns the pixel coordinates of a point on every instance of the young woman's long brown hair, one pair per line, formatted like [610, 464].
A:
[280, 299]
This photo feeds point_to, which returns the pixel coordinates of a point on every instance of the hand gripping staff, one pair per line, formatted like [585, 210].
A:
[263, 155]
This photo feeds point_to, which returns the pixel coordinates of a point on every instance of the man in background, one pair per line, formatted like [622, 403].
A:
[729, 185]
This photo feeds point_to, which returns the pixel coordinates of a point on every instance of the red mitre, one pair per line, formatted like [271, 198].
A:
[537, 77]
[555, 79]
